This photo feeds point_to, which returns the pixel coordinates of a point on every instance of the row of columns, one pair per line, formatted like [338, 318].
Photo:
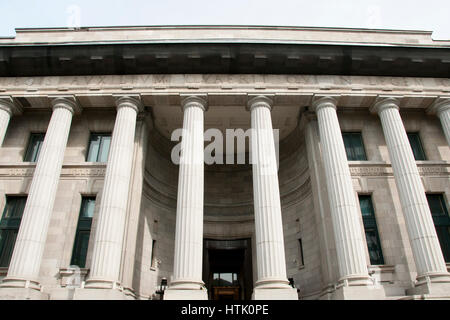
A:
[23, 271]
[349, 241]
[26, 259]
[270, 255]
[425, 245]
[187, 270]
[271, 268]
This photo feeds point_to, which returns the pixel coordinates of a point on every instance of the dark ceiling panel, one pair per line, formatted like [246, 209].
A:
[223, 59]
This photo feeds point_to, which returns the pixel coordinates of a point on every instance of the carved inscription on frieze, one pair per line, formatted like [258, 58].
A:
[207, 80]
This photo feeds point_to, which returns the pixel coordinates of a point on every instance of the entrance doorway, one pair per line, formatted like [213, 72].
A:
[227, 269]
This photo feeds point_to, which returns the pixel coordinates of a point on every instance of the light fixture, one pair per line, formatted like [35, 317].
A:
[162, 288]
[291, 282]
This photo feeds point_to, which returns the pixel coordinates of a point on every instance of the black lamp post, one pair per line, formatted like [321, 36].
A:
[162, 288]
[291, 282]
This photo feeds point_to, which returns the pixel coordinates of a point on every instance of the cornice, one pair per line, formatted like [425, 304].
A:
[282, 90]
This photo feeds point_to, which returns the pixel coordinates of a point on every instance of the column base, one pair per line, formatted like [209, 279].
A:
[358, 293]
[22, 294]
[62, 294]
[275, 294]
[20, 284]
[355, 281]
[356, 287]
[433, 286]
[185, 294]
[99, 294]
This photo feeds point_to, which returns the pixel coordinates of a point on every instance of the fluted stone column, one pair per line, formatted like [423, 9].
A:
[26, 259]
[107, 251]
[442, 110]
[419, 223]
[271, 281]
[7, 109]
[350, 245]
[187, 272]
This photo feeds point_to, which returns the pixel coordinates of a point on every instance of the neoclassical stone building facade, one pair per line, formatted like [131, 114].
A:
[352, 203]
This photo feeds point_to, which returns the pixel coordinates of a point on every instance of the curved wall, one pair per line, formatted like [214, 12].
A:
[228, 211]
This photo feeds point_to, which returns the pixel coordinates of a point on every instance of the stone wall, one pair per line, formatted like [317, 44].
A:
[229, 199]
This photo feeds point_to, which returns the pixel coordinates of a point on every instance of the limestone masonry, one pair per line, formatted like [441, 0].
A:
[349, 200]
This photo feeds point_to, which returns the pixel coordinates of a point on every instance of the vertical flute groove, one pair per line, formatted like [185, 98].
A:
[5, 116]
[107, 252]
[271, 261]
[189, 218]
[423, 238]
[29, 247]
[350, 245]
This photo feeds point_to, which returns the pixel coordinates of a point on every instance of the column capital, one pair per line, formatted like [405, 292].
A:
[439, 105]
[324, 101]
[259, 101]
[382, 103]
[10, 105]
[194, 101]
[131, 101]
[67, 102]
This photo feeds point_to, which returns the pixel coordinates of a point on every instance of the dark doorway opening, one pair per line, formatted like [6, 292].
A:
[227, 269]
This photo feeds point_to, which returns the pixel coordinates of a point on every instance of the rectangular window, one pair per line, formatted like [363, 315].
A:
[441, 221]
[301, 260]
[83, 232]
[225, 279]
[416, 146]
[98, 147]
[354, 146]
[9, 227]
[152, 261]
[371, 230]
[34, 147]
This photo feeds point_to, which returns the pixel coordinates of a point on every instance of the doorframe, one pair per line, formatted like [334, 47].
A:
[245, 276]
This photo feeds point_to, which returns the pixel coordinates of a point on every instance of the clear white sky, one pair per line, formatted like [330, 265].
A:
[432, 15]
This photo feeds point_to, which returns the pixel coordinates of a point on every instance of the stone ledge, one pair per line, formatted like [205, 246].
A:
[174, 294]
[3, 273]
[275, 294]
[68, 277]
[26, 169]
[381, 168]
[22, 294]
[382, 273]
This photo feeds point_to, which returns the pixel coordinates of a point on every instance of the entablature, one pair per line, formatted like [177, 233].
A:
[226, 95]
